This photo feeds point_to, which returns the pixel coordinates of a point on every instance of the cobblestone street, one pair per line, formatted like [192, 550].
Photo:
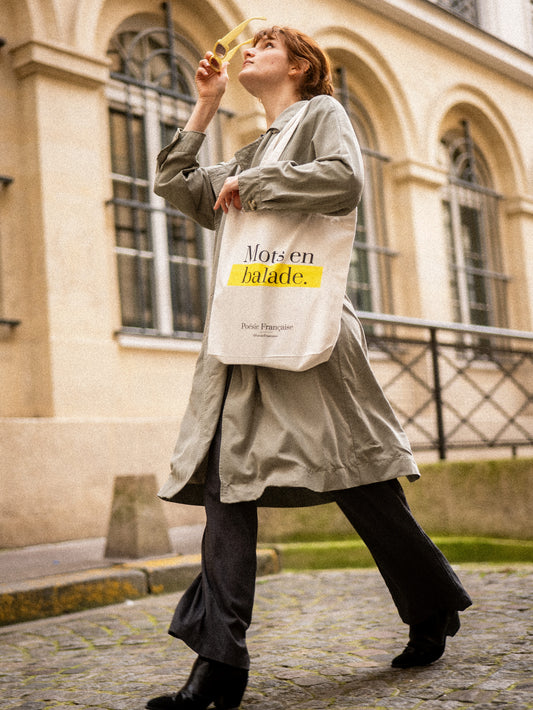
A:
[319, 640]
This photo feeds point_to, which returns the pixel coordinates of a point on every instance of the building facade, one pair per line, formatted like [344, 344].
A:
[103, 285]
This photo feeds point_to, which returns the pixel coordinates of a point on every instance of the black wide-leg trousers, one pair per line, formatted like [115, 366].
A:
[214, 614]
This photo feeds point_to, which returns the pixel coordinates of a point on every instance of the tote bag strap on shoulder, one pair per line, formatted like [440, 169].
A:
[279, 142]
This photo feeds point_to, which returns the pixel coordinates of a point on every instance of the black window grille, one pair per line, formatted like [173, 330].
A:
[471, 207]
[163, 257]
[466, 9]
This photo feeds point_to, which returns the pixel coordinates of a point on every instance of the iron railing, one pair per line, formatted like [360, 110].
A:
[9, 322]
[455, 386]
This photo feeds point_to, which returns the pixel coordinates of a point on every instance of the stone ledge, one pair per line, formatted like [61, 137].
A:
[59, 62]
[172, 574]
[77, 591]
[62, 594]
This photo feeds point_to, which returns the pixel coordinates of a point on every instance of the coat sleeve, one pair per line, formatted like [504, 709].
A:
[187, 186]
[325, 175]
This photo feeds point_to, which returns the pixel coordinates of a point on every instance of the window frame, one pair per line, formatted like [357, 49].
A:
[164, 104]
[371, 237]
[467, 10]
[473, 268]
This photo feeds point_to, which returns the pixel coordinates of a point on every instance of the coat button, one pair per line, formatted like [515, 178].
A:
[252, 204]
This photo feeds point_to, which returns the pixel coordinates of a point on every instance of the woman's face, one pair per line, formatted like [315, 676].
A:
[265, 65]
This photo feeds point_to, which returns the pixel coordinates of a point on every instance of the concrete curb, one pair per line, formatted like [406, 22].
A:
[76, 591]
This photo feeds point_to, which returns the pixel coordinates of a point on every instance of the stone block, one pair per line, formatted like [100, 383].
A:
[137, 525]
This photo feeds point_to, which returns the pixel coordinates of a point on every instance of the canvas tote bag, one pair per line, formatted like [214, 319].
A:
[280, 283]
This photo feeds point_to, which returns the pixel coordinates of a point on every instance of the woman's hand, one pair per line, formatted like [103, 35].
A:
[210, 83]
[229, 194]
[211, 86]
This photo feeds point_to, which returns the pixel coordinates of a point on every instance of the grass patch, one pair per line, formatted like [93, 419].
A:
[341, 554]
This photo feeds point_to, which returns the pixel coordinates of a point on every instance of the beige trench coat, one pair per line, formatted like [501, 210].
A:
[288, 438]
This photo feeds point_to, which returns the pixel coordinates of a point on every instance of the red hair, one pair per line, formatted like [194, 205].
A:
[302, 48]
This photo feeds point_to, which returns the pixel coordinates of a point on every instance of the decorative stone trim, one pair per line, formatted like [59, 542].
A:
[59, 62]
[519, 206]
[412, 171]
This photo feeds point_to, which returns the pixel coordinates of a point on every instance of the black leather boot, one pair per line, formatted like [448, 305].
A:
[427, 640]
[209, 682]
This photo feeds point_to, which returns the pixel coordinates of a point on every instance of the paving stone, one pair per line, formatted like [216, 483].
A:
[318, 641]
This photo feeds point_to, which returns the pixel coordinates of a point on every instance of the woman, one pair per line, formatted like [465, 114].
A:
[261, 436]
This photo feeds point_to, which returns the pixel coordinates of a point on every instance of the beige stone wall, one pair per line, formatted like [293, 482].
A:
[77, 406]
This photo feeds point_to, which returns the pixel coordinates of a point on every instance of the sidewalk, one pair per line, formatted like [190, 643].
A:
[48, 580]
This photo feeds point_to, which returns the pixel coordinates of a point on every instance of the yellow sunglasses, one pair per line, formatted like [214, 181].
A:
[221, 50]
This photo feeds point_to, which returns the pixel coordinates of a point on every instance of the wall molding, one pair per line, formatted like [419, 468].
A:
[59, 62]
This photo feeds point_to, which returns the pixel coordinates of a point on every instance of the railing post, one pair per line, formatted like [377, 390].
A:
[437, 393]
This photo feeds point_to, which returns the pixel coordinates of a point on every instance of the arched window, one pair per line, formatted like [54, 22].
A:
[163, 258]
[471, 222]
[369, 282]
